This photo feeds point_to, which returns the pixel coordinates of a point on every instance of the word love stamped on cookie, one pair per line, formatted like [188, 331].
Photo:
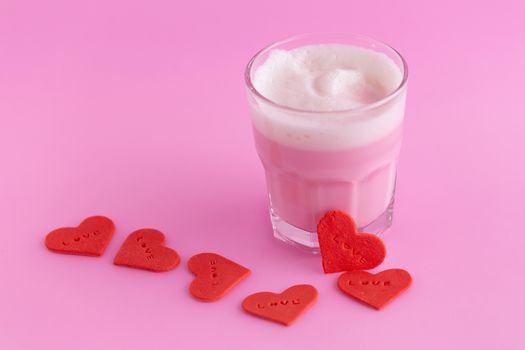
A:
[283, 308]
[144, 249]
[343, 248]
[91, 237]
[375, 290]
[214, 275]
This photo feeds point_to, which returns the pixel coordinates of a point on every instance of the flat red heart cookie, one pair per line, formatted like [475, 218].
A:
[343, 248]
[215, 275]
[376, 290]
[144, 249]
[91, 237]
[283, 308]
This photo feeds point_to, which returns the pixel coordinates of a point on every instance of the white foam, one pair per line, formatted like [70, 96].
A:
[330, 77]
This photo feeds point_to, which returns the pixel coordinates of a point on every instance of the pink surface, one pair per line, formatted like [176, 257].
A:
[136, 110]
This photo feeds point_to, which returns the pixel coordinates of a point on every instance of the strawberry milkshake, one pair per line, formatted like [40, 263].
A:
[327, 113]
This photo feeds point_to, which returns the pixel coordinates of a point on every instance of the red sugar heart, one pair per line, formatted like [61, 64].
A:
[144, 249]
[91, 237]
[215, 275]
[376, 290]
[343, 248]
[283, 308]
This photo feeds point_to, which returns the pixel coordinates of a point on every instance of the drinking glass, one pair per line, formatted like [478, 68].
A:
[316, 161]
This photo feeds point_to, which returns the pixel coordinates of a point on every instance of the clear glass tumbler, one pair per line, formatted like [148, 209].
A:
[317, 161]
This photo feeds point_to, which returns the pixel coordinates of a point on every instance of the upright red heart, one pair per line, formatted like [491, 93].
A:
[283, 308]
[144, 249]
[375, 290]
[215, 275]
[343, 248]
[91, 237]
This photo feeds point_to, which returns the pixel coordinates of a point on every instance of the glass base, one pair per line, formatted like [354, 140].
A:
[308, 240]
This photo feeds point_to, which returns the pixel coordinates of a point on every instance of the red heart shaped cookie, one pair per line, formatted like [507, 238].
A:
[215, 275]
[343, 248]
[283, 308]
[91, 237]
[144, 249]
[375, 290]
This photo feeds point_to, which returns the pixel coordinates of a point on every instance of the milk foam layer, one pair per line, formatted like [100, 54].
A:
[337, 81]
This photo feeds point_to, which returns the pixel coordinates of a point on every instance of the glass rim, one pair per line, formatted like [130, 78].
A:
[366, 107]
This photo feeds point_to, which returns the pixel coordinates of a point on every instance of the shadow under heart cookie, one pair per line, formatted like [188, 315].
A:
[145, 249]
[91, 237]
[214, 276]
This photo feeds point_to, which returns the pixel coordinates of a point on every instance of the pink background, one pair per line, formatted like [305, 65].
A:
[136, 110]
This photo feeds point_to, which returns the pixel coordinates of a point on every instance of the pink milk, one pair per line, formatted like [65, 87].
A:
[305, 184]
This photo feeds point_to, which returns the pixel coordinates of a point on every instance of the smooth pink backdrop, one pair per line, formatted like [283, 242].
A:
[136, 110]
